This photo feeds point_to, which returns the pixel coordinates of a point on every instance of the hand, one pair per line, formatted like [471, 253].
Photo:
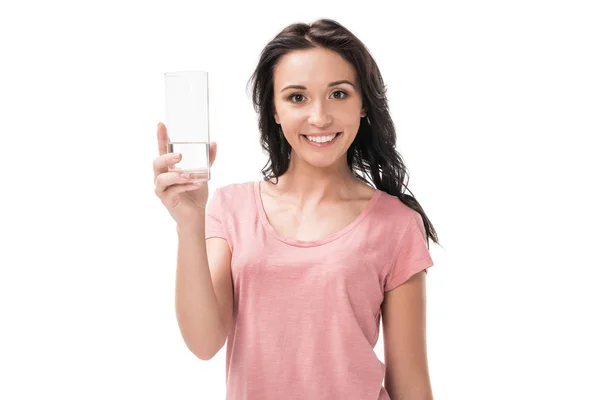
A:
[185, 201]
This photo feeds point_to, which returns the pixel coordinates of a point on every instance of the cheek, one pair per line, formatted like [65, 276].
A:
[290, 114]
[347, 112]
[349, 119]
[291, 120]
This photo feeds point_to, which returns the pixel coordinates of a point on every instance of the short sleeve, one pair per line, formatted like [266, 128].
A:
[215, 226]
[412, 254]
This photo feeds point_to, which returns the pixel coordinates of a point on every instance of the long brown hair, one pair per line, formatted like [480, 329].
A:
[372, 157]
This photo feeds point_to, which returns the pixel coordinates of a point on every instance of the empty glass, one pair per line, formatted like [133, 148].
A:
[186, 119]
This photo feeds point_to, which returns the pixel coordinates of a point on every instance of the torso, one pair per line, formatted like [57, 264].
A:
[324, 221]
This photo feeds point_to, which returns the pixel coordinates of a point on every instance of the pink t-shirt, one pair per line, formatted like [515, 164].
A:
[306, 314]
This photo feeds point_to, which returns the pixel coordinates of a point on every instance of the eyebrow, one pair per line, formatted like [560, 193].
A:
[300, 87]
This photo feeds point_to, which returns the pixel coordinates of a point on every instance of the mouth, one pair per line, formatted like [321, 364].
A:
[321, 141]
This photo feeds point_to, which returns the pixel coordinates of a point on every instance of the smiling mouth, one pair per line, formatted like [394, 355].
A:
[322, 139]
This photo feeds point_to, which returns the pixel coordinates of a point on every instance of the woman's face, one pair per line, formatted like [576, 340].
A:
[317, 96]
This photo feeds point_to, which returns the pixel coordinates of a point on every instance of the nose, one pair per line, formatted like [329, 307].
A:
[319, 115]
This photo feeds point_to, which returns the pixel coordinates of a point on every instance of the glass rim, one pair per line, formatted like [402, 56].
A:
[186, 73]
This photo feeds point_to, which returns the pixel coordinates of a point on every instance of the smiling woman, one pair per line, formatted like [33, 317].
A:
[300, 268]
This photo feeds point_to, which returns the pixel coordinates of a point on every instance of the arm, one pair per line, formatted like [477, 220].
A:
[404, 333]
[204, 293]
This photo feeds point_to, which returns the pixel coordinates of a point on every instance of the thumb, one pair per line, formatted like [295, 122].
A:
[212, 153]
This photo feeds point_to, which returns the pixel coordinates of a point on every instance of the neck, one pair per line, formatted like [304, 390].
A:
[311, 185]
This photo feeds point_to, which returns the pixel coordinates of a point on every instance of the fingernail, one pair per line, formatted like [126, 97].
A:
[176, 155]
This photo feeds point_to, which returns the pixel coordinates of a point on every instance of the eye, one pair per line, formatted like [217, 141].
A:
[294, 98]
[344, 94]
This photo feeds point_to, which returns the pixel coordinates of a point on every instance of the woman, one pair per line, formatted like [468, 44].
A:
[296, 271]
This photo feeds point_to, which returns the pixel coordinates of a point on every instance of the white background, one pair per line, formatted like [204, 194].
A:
[496, 105]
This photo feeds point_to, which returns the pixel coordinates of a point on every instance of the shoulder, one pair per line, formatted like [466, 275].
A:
[393, 217]
[234, 195]
[232, 190]
[392, 208]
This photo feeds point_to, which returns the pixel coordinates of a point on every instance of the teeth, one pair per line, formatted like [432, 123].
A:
[321, 139]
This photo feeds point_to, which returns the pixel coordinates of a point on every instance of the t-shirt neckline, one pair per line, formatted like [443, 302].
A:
[310, 243]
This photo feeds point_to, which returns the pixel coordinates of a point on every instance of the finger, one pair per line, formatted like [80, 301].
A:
[163, 138]
[212, 153]
[168, 179]
[172, 192]
[162, 163]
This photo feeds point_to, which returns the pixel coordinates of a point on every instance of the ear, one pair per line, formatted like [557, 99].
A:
[363, 112]
[277, 119]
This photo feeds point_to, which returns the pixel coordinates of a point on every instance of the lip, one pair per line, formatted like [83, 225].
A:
[326, 144]
[320, 133]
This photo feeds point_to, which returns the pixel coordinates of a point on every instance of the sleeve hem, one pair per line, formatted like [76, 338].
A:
[216, 235]
[419, 266]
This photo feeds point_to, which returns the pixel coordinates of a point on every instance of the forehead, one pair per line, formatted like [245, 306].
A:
[312, 67]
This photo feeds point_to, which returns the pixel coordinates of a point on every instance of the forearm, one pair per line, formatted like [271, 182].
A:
[414, 384]
[197, 307]
[413, 392]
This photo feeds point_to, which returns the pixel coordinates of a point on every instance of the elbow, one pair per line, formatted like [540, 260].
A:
[204, 357]
[206, 353]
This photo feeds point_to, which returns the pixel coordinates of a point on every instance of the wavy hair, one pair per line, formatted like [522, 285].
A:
[372, 157]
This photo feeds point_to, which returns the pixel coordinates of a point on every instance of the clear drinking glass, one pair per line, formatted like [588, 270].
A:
[186, 119]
